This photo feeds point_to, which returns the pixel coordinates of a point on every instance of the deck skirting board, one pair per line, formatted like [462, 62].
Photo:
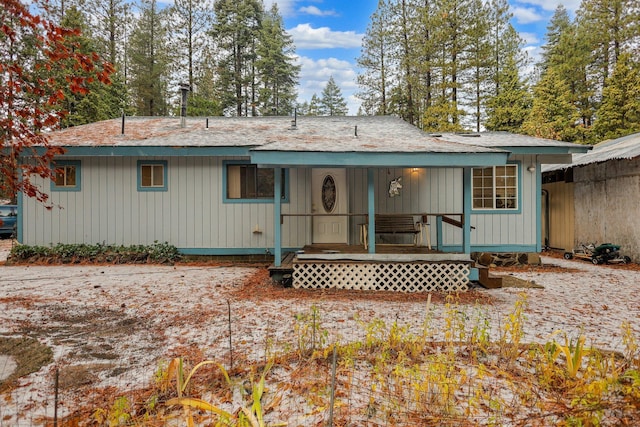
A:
[382, 276]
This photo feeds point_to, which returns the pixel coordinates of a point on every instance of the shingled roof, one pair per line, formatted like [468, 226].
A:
[320, 134]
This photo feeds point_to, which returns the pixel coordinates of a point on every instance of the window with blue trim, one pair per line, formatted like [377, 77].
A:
[495, 187]
[66, 175]
[152, 175]
[246, 181]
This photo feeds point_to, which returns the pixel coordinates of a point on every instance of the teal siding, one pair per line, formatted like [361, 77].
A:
[190, 214]
[520, 228]
[439, 190]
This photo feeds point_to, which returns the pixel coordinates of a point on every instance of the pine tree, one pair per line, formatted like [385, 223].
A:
[275, 66]
[450, 20]
[315, 107]
[203, 100]
[150, 61]
[110, 24]
[479, 61]
[302, 108]
[190, 20]
[235, 31]
[619, 113]
[609, 26]
[509, 107]
[332, 101]
[375, 60]
[568, 54]
[552, 51]
[552, 115]
[102, 101]
[405, 26]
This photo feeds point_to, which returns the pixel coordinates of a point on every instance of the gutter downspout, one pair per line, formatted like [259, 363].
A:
[545, 194]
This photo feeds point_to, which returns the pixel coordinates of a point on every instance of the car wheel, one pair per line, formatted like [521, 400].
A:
[595, 261]
[568, 255]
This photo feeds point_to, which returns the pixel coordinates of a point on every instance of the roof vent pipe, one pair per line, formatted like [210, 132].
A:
[122, 128]
[294, 122]
[356, 131]
[206, 126]
[184, 90]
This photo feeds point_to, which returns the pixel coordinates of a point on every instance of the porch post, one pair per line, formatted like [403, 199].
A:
[277, 211]
[538, 187]
[371, 210]
[466, 210]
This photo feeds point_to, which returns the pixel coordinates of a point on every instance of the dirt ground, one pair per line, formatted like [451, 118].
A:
[110, 326]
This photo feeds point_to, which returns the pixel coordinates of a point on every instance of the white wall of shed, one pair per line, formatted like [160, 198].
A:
[607, 204]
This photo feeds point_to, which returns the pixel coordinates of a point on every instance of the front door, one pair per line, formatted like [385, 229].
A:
[329, 196]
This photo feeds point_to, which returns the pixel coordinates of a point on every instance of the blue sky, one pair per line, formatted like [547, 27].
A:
[327, 35]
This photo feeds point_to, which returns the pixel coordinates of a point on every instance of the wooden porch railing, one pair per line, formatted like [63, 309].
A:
[445, 216]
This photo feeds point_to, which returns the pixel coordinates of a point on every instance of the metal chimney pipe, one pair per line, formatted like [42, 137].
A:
[184, 90]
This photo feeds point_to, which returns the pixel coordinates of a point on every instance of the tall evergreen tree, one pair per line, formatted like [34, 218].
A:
[203, 99]
[235, 31]
[451, 18]
[610, 28]
[553, 50]
[110, 24]
[315, 107]
[552, 115]
[275, 66]
[375, 61]
[619, 113]
[102, 101]
[509, 107]
[405, 25]
[479, 55]
[507, 96]
[332, 102]
[568, 54]
[190, 21]
[150, 61]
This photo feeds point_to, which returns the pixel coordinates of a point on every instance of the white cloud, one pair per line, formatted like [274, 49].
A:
[530, 38]
[286, 7]
[526, 15]
[312, 10]
[315, 73]
[535, 55]
[307, 37]
[551, 5]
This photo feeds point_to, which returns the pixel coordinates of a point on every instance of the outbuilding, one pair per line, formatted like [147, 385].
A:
[596, 198]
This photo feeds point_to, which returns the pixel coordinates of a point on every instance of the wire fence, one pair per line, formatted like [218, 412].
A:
[456, 366]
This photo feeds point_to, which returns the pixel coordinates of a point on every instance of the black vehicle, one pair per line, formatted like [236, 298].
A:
[8, 217]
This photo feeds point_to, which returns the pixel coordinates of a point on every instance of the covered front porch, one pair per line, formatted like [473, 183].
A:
[475, 193]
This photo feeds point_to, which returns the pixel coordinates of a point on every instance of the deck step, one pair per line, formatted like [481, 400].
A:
[488, 280]
[285, 268]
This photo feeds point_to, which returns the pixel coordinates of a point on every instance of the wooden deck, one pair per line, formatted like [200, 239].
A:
[288, 259]
[359, 249]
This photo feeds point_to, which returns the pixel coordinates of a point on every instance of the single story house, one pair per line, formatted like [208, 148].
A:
[595, 198]
[246, 186]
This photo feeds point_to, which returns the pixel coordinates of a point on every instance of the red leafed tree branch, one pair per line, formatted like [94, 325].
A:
[37, 60]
